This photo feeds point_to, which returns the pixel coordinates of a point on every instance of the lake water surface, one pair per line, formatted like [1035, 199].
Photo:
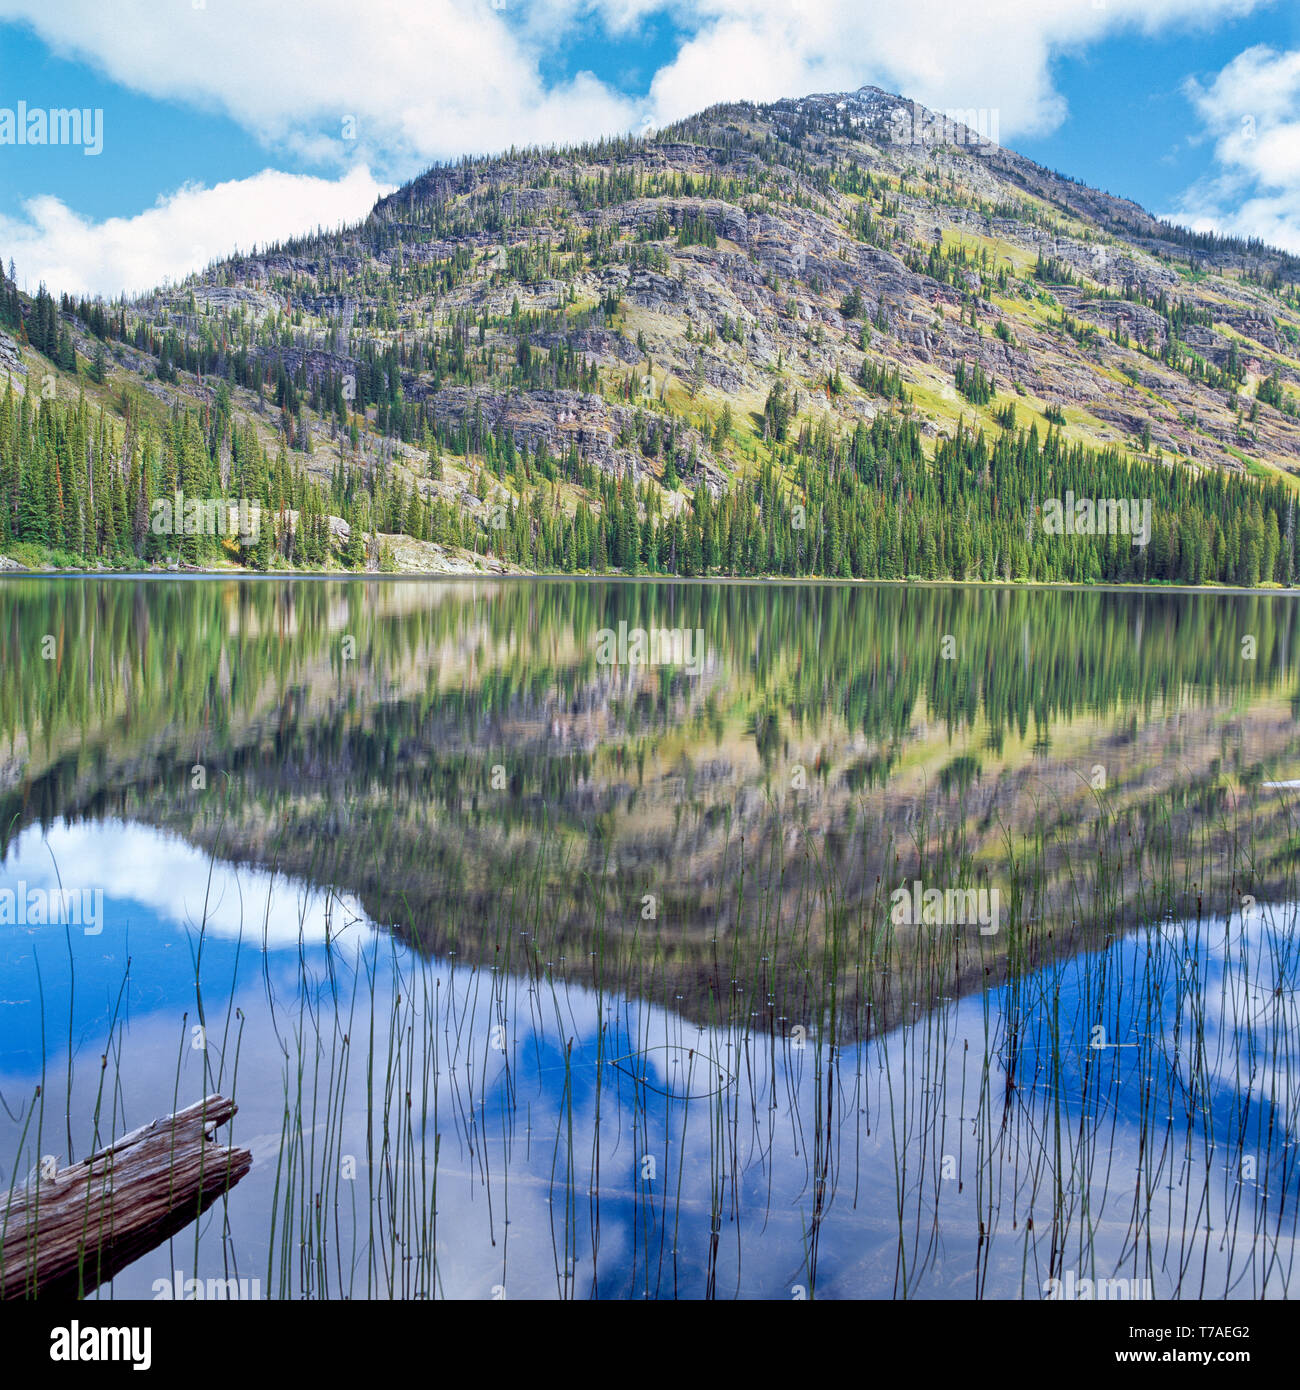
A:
[562, 939]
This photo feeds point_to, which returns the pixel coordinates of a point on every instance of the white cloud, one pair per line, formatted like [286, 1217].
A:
[420, 78]
[181, 233]
[1251, 111]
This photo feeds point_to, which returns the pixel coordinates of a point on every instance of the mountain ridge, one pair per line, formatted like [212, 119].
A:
[684, 309]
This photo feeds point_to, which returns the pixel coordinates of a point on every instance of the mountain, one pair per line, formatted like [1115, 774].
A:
[839, 335]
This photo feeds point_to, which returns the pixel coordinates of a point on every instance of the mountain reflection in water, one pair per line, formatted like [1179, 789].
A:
[537, 976]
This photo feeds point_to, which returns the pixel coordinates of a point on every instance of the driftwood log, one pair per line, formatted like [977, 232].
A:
[62, 1236]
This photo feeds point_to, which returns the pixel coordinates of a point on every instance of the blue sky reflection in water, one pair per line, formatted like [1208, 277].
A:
[591, 1144]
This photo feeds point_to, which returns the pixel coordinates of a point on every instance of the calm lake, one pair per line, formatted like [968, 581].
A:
[641, 940]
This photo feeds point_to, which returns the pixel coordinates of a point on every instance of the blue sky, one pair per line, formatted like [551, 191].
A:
[1133, 129]
[226, 123]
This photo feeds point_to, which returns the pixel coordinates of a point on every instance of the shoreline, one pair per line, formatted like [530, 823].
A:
[560, 576]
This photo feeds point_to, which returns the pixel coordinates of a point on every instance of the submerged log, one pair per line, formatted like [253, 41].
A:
[64, 1235]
